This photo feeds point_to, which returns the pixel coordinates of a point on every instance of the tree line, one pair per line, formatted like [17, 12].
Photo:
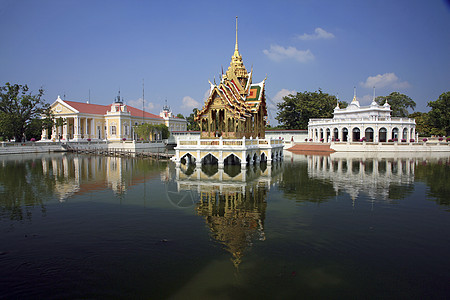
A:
[24, 115]
[294, 111]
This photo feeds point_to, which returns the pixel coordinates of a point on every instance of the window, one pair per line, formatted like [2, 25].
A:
[113, 130]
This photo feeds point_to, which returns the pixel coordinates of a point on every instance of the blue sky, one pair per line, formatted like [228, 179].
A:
[73, 47]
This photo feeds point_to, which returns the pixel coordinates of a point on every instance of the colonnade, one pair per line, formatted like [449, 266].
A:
[75, 128]
[357, 133]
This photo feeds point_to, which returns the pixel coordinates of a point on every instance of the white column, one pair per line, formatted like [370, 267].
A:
[76, 126]
[85, 128]
[66, 130]
[91, 128]
[44, 134]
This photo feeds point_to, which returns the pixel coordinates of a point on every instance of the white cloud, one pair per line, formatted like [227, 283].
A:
[190, 103]
[365, 100]
[279, 53]
[282, 93]
[385, 80]
[149, 106]
[272, 103]
[319, 33]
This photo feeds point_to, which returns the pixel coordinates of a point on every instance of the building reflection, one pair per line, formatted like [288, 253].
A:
[370, 174]
[81, 174]
[232, 202]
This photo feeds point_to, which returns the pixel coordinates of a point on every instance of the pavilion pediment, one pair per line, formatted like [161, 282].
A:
[60, 107]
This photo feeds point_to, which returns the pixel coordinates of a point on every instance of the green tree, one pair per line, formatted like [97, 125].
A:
[18, 109]
[191, 124]
[180, 116]
[144, 131]
[295, 111]
[399, 103]
[164, 130]
[440, 114]
[34, 129]
[423, 126]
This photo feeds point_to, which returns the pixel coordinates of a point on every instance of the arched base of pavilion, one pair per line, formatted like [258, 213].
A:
[226, 151]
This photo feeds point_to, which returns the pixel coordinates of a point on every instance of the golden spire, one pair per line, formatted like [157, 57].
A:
[237, 69]
[236, 49]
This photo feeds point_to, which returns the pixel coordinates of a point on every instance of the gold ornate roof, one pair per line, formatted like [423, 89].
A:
[236, 90]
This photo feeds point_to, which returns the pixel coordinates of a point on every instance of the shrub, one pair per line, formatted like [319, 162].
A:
[403, 140]
[337, 140]
[306, 140]
[390, 140]
[447, 139]
[88, 140]
[33, 140]
[310, 140]
[411, 141]
[321, 140]
[124, 139]
[440, 139]
[425, 139]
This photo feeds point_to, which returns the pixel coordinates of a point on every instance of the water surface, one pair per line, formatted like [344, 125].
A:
[343, 225]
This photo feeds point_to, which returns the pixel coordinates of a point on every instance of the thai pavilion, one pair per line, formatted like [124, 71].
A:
[105, 122]
[357, 123]
[232, 122]
[236, 107]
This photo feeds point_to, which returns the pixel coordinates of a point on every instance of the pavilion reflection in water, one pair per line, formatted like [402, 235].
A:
[232, 202]
[373, 175]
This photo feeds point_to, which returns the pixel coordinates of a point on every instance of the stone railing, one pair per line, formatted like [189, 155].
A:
[359, 120]
[229, 143]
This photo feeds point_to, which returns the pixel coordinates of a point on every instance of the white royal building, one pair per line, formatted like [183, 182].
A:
[357, 123]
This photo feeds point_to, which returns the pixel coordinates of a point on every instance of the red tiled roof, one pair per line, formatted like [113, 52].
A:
[98, 109]
[88, 108]
[135, 112]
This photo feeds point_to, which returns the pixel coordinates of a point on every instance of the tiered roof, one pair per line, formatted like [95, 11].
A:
[241, 97]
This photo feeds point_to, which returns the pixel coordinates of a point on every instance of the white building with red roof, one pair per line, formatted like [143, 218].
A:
[113, 122]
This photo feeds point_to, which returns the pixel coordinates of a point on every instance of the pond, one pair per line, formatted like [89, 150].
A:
[314, 226]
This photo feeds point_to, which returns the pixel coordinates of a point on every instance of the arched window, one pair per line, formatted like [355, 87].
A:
[405, 133]
[344, 134]
[369, 134]
[356, 134]
[382, 134]
[395, 133]
[335, 133]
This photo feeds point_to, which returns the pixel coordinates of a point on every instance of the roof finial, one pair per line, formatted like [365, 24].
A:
[236, 47]
[355, 100]
[374, 103]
